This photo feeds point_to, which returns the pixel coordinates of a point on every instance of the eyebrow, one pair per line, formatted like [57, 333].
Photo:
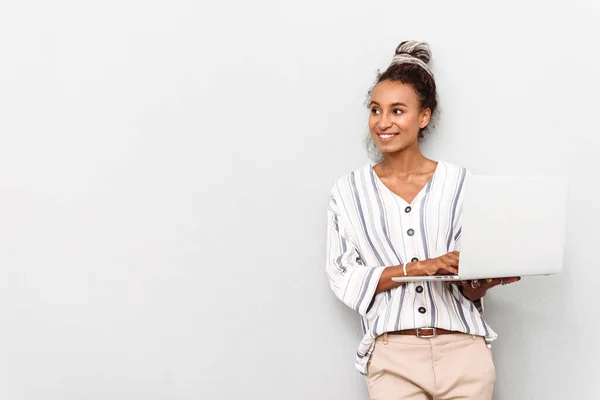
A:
[397, 104]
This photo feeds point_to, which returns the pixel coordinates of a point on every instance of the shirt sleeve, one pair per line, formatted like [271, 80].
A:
[457, 235]
[353, 282]
[457, 222]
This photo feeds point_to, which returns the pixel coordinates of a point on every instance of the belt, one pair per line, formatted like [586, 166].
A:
[424, 332]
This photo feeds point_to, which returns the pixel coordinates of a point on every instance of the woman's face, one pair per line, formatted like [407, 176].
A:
[396, 116]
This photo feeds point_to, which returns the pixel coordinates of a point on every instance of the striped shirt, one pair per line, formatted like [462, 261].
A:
[371, 228]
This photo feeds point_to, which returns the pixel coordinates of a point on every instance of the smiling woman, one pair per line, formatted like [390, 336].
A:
[403, 217]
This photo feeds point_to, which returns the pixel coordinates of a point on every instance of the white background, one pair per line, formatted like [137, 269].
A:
[165, 170]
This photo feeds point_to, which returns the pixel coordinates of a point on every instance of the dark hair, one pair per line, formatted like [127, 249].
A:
[409, 66]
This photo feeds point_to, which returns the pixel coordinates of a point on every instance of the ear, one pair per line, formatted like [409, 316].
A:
[424, 118]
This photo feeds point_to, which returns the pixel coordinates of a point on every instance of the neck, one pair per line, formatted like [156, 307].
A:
[403, 162]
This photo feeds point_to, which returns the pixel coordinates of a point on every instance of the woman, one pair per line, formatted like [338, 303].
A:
[402, 217]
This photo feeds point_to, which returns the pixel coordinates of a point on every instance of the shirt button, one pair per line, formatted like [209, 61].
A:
[422, 310]
[410, 232]
[408, 209]
[414, 259]
[420, 290]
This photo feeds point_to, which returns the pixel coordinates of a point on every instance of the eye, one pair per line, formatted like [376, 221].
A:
[397, 111]
[375, 111]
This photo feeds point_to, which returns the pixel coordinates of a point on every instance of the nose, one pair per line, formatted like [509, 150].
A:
[385, 121]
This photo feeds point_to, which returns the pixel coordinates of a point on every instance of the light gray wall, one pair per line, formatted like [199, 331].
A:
[165, 169]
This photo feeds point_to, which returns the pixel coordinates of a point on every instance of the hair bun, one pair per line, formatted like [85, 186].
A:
[414, 48]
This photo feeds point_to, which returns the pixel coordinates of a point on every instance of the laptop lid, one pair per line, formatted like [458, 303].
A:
[512, 226]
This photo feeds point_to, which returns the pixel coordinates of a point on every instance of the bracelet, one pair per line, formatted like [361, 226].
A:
[404, 269]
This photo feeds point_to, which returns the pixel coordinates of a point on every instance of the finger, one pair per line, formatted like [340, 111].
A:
[452, 256]
[448, 270]
[449, 260]
[489, 283]
[494, 282]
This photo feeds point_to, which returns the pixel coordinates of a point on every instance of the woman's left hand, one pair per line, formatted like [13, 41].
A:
[477, 288]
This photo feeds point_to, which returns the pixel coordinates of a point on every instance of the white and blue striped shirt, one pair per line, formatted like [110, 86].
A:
[371, 228]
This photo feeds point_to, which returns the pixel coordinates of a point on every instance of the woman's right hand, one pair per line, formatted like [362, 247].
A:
[444, 265]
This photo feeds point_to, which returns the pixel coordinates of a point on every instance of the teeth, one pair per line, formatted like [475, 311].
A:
[386, 136]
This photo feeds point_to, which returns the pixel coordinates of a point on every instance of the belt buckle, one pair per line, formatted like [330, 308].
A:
[433, 330]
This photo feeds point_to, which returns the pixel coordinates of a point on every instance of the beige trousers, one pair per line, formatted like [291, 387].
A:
[446, 367]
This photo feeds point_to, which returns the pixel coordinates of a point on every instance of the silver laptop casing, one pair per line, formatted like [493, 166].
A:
[511, 226]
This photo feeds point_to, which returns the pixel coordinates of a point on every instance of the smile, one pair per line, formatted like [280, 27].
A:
[387, 136]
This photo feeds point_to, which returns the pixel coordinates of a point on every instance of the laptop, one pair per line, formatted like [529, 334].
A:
[512, 226]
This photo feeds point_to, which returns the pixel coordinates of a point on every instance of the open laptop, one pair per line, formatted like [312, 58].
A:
[512, 226]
